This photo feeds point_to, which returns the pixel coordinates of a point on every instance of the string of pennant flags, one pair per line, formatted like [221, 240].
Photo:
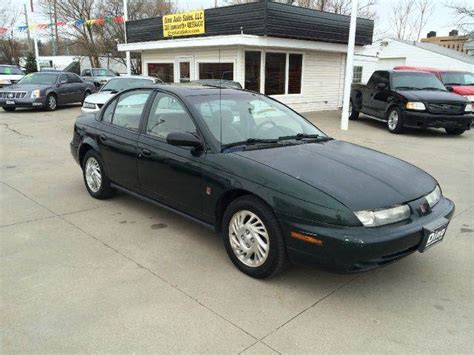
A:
[78, 22]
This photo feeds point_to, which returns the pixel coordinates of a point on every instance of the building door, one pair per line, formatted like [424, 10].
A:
[185, 68]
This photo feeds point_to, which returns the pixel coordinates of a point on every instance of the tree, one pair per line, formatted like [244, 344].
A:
[409, 18]
[30, 65]
[464, 16]
[10, 47]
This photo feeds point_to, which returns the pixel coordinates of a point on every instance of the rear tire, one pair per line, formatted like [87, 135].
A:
[353, 114]
[9, 109]
[253, 238]
[95, 179]
[51, 102]
[394, 120]
[455, 131]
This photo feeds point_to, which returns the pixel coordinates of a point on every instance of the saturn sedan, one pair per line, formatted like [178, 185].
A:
[276, 187]
[94, 102]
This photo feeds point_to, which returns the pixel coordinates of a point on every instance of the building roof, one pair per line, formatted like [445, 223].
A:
[440, 50]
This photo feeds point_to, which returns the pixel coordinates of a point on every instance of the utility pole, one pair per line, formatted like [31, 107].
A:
[27, 28]
[53, 41]
[56, 25]
[35, 39]
[127, 53]
[349, 68]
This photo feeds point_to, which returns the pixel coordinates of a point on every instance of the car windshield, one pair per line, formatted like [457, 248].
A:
[117, 85]
[7, 70]
[416, 81]
[237, 116]
[457, 78]
[39, 78]
[103, 72]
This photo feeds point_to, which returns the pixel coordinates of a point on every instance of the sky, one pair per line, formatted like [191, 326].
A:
[442, 21]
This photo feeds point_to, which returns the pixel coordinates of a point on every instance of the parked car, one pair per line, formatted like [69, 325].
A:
[94, 102]
[218, 83]
[411, 98]
[48, 90]
[457, 81]
[249, 167]
[98, 76]
[9, 74]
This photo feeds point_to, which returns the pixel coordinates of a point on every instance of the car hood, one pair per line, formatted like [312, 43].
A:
[358, 177]
[100, 97]
[463, 90]
[27, 87]
[431, 96]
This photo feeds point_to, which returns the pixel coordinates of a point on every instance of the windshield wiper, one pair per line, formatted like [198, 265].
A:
[250, 141]
[432, 88]
[300, 136]
[406, 88]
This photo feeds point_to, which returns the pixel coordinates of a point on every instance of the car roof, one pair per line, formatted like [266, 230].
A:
[195, 90]
[413, 71]
[9, 65]
[134, 77]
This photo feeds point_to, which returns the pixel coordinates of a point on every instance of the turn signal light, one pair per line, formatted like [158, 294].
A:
[307, 238]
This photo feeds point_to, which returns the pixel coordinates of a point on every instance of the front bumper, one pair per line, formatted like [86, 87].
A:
[352, 249]
[24, 102]
[426, 120]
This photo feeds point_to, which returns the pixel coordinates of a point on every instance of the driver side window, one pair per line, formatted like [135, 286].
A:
[168, 115]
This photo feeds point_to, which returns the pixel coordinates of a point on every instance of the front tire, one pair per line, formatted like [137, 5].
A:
[9, 109]
[395, 120]
[253, 238]
[51, 102]
[455, 131]
[353, 113]
[95, 179]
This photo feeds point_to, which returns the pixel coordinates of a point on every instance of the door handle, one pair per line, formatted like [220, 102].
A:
[103, 137]
[146, 152]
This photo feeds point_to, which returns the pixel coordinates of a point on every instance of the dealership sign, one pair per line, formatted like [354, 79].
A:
[183, 24]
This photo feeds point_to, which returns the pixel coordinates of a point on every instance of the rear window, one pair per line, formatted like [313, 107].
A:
[7, 70]
[416, 81]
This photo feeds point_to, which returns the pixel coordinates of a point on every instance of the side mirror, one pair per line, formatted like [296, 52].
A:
[183, 139]
[61, 82]
[381, 86]
[449, 88]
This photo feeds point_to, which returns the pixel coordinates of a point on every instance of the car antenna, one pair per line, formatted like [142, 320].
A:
[220, 102]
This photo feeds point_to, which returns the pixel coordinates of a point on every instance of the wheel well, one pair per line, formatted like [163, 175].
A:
[82, 152]
[224, 201]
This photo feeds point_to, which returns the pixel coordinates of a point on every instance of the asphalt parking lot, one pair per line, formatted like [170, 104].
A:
[82, 275]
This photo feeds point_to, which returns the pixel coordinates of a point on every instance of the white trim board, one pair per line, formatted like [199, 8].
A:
[234, 40]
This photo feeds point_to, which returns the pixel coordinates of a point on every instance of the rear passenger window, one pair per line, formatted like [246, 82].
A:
[129, 108]
[168, 115]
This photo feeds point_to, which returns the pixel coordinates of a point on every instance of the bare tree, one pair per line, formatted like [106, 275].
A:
[409, 18]
[9, 46]
[464, 16]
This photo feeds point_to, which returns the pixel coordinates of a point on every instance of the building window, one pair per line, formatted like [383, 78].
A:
[164, 71]
[275, 73]
[222, 71]
[295, 69]
[252, 70]
[357, 74]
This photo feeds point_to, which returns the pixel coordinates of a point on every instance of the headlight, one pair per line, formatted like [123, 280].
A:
[381, 217]
[88, 105]
[470, 97]
[35, 93]
[5, 82]
[434, 196]
[468, 108]
[419, 106]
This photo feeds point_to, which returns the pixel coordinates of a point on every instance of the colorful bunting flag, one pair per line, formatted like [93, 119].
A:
[3, 30]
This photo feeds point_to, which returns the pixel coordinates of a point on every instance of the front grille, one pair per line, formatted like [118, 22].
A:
[12, 94]
[448, 109]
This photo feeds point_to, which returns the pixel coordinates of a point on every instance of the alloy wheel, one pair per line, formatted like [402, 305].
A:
[93, 175]
[393, 120]
[248, 238]
[52, 102]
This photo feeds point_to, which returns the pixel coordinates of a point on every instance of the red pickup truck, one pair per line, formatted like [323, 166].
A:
[457, 81]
